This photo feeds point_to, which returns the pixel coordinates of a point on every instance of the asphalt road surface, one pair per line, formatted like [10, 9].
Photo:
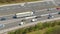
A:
[35, 7]
[17, 21]
[37, 12]
[15, 24]
[6, 10]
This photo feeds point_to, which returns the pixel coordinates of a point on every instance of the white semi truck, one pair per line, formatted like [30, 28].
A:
[23, 14]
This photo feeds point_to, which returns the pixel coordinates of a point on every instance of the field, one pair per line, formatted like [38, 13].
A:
[51, 30]
[37, 32]
[15, 1]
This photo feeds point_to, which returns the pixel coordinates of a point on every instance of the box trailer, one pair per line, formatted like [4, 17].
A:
[23, 14]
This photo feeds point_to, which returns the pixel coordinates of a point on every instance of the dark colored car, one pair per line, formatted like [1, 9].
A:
[3, 19]
[23, 20]
[48, 17]
[58, 12]
[58, 8]
[14, 17]
[38, 17]
[19, 24]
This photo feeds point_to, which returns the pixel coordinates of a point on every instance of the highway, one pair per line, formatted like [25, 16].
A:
[6, 10]
[15, 22]
[40, 8]
[37, 12]
[9, 11]
[57, 2]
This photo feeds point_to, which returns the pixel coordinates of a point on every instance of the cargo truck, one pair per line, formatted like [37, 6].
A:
[23, 14]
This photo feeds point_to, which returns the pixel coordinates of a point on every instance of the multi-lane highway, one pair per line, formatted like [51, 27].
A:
[39, 9]
[36, 13]
[12, 9]
[57, 2]
[15, 22]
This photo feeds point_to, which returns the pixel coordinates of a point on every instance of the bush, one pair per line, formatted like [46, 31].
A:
[11, 32]
[46, 24]
[38, 26]
[53, 30]
[15, 1]
[58, 22]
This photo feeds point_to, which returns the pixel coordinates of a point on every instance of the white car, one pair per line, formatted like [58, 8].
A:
[33, 20]
[50, 16]
[21, 23]
[2, 25]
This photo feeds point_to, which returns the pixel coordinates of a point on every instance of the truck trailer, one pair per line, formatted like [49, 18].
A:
[23, 14]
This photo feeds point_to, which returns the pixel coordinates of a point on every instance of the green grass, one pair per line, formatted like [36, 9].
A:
[15, 1]
[50, 30]
[53, 30]
[37, 32]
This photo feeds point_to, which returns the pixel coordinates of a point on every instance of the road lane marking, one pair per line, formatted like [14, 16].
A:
[26, 18]
[49, 13]
[45, 9]
[30, 17]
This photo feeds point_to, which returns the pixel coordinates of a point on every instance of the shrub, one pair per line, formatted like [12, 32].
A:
[11, 32]
[53, 30]
[38, 26]
[58, 22]
[46, 24]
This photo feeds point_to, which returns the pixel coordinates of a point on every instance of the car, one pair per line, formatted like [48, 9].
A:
[38, 17]
[3, 19]
[23, 20]
[2, 25]
[58, 12]
[50, 16]
[33, 20]
[14, 17]
[58, 8]
[21, 23]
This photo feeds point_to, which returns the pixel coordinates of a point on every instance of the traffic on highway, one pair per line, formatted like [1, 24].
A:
[28, 18]
[17, 15]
